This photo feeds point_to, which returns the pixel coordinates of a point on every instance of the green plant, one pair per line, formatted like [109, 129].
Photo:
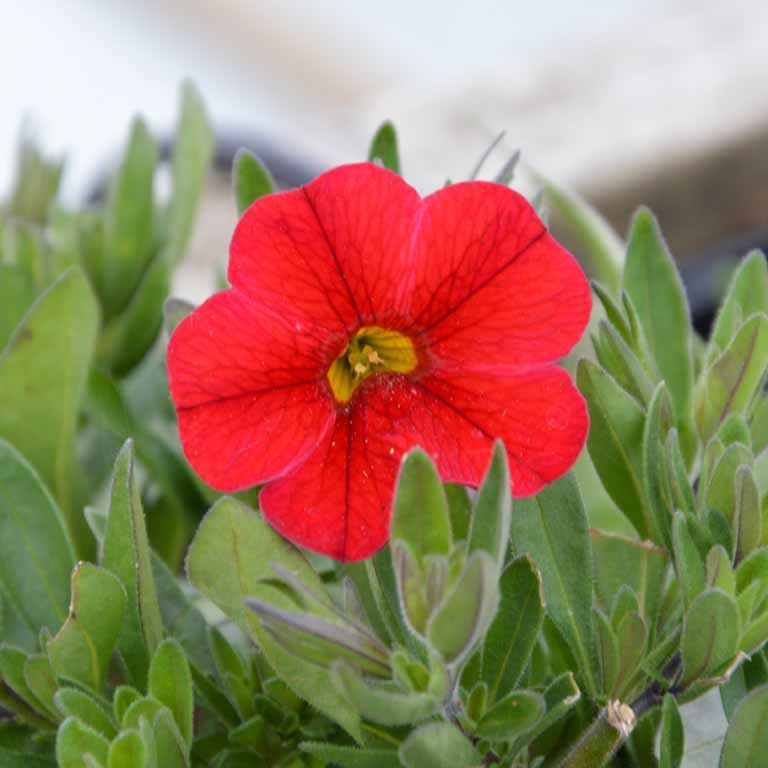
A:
[487, 632]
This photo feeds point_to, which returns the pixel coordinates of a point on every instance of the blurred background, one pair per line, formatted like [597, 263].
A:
[663, 101]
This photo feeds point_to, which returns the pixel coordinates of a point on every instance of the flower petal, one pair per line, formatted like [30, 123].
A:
[339, 501]
[336, 251]
[540, 416]
[249, 390]
[493, 289]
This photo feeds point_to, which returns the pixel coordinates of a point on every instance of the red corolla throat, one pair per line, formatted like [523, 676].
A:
[372, 350]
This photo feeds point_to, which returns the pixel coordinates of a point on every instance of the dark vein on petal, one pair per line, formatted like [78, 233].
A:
[334, 254]
[485, 282]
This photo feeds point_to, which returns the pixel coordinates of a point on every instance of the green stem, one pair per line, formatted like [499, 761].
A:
[600, 742]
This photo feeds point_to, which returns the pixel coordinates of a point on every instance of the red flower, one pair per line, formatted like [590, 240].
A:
[362, 321]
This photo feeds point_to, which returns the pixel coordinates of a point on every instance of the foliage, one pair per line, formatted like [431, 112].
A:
[486, 633]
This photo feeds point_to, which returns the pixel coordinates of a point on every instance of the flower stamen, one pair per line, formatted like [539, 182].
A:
[371, 350]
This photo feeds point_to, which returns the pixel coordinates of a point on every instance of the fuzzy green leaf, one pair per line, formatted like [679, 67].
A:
[169, 743]
[688, 563]
[510, 639]
[672, 742]
[438, 745]
[232, 533]
[352, 757]
[711, 633]
[34, 569]
[467, 609]
[653, 283]
[82, 649]
[75, 740]
[126, 553]
[731, 381]
[127, 751]
[73, 702]
[565, 563]
[491, 517]
[512, 716]
[54, 343]
[385, 704]
[746, 741]
[170, 682]
[615, 444]
[747, 295]
[420, 511]
[747, 518]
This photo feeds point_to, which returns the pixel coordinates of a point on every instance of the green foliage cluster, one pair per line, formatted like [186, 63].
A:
[486, 633]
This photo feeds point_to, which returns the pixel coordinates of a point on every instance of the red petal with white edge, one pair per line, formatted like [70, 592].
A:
[493, 289]
[540, 416]
[249, 391]
[336, 251]
[339, 501]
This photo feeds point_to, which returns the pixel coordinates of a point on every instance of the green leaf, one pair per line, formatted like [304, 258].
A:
[191, 158]
[12, 663]
[34, 568]
[616, 356]
[719, 571]
[25, 760]
[83, 647]
[182, 618]
[728, 385]
[127, 751]
[128, 221]
[124, 696]
[747, 514]
[593, 237]
[467, 610]
[420, 511]
[721, 488]
[565, 563]
[653, 283]
[40, 680]
[746, 741]
[385, 704]
[615, 444]
[688, 563]
[126, 553]
[54, 343]
[747, 295]
[72, 702]
[143, 708]
[75, 740]
[515, 714]
[384, 147]
[620, 561]
[250, 178]
[608, 652]
[491, 518]
[438, 745]
[560, 696]
[512, 635]
[351, 757]
[17, 293]
[231, 533]
[672, 742]
[127, 338]
[170, 682]
[658, 423]
[711, 633]
[171, 750]
[632, 637]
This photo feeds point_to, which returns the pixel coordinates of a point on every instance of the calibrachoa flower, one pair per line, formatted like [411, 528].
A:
[364, 320]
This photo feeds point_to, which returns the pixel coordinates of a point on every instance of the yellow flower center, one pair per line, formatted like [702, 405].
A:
[371, 350]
